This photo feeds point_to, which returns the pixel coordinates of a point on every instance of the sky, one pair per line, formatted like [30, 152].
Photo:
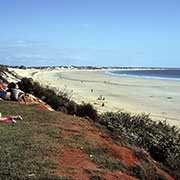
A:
[90, 32]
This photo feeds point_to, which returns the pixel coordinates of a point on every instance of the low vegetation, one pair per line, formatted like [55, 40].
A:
[161, 140]
[100, 157]
[59, 101]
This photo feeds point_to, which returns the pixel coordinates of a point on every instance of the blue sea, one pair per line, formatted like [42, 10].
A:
[170, 74]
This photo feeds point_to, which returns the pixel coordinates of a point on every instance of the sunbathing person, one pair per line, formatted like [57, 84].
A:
[10, 119]
[16, 93]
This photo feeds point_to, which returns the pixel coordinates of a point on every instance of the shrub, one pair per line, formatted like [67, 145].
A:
[26, 84]
[44, 93]
[87, 110]
[58, 100]
[161, 140]
[72, 107]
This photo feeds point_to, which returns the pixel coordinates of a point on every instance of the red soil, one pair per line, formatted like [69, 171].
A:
[44, 107]
[118, 175]
[122, 153]
[75, 163]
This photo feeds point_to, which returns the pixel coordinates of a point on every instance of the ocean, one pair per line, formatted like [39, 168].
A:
[171, 74]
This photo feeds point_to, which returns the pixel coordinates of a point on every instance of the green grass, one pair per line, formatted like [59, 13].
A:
[101, 158]
[27, 146]
[145, 171]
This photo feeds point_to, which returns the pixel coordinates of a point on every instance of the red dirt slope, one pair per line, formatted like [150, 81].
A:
[76, 134]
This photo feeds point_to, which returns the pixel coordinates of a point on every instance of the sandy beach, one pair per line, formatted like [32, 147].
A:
[159, 98]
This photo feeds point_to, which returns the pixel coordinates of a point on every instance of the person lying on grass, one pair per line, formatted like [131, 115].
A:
[10, 119]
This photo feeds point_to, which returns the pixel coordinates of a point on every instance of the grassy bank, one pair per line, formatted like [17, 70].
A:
[27, 146]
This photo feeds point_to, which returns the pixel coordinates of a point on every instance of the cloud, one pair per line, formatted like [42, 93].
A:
[32, 53]
[21, 43]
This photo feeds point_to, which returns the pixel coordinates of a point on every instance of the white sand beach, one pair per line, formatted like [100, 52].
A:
[159, 98]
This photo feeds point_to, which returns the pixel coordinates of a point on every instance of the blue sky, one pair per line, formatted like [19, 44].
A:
[90, 32]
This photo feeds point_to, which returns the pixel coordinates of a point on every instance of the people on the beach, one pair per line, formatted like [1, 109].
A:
[101, 98]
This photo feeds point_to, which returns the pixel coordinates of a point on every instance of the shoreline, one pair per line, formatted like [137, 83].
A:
[134, 95]
[110, 72]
